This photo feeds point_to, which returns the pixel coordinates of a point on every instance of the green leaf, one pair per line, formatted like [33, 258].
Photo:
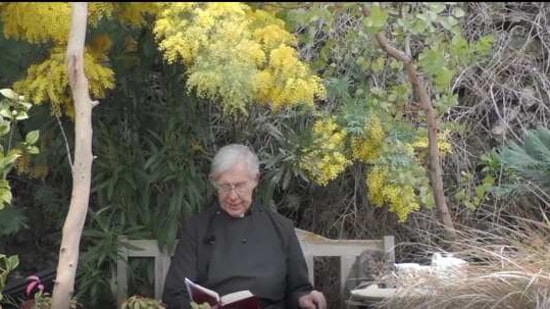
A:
[460, 195]
[378, 65]
[432, 61]
[419, 26]
[4, 128]
[33, 150]
[25, 105]
[488, 180]
[480, 191]
[12, 262]
[444, 78]
[12, 220]
[5, 196]
[470, 205]
[437, 7]
[484, 44]
[459, 47]
[431, 16]
[338, 88]
[459, 13]
[376, 21]
[396, 65]
[22, 116]
[32, 137]
[8, 93]
[447, 22]
[6, 163]
[6, 113]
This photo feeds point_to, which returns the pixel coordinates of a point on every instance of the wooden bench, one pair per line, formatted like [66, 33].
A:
[313, 245]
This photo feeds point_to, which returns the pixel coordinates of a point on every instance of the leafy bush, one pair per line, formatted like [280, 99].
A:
[138, 302]
[7, 264]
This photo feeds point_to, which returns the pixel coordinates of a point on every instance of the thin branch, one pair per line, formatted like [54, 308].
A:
[392, 51]
[12, 128]
[383, 42]
[66, 141]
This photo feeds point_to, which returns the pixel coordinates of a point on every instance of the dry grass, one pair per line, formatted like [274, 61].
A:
[509, 267]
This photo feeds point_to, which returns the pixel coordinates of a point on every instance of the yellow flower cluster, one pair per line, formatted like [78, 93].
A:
[273, 36]
[290, 81]
[442, 143]
[367, 148]
[401, 198]
[131, 13]
[236, 54]
[376, 180]
[48, 81]
[50, 22]
[184, 27]
[325, 160]
[36, 22]
[41, 22]
[99, 10]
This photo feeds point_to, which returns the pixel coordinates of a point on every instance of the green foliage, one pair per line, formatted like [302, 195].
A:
[102, 241]
[44, 301]
[152, 144]
[473, 190]
[7, 264]
[12, 219]
[444, 51]
[13, 108]
[364, 83]
[138, 302]
[15, 59]
[376, 20]
[472, 198]
[153, 140]
[528, 161]
[194, 305]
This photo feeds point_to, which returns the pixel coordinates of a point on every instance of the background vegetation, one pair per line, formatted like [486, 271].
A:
[333, 167]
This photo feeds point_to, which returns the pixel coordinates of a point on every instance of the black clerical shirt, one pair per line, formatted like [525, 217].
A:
[258, 252]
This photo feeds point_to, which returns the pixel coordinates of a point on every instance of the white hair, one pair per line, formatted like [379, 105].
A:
[230, 155]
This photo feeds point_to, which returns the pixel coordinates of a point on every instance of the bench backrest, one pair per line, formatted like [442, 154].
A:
[313, 245]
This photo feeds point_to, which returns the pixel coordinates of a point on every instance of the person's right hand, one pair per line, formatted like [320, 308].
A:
[313, 300]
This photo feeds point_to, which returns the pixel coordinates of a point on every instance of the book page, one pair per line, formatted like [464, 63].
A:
[200, 294]
[235, 296]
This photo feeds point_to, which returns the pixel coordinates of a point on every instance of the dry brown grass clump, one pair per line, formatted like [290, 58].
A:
[509, 267]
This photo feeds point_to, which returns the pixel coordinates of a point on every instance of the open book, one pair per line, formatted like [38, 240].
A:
[236, 300]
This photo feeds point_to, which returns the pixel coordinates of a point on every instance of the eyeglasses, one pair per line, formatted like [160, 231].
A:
[240, 187]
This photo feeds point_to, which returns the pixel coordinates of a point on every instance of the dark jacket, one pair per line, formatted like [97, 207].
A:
[259, 252]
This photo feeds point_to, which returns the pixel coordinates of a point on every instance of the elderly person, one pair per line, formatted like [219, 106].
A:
[237, 244]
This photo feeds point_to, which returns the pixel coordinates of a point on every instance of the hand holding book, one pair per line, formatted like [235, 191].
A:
[236, 300]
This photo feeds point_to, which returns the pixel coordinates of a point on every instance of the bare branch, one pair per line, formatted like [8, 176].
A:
[392, 51]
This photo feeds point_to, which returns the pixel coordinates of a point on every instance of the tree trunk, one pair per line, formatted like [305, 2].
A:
[436, 177]
[82, 168]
